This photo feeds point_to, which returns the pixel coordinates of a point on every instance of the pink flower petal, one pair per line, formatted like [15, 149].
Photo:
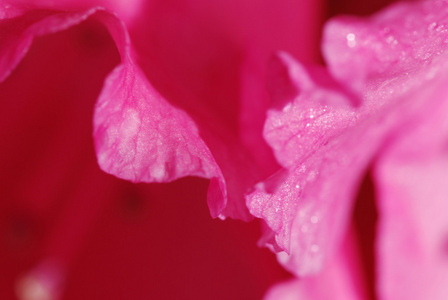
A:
[401, 54]
[413, 228]
[125, 9]
[142, 138]
[307, 204]
[340, 280]
[16, 34]
[325, 133]
[389, 53]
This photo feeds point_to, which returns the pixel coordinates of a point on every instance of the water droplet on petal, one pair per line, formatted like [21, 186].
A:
[351, 40]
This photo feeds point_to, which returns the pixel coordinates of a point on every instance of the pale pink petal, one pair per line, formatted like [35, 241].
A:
[326, 135]
[142, 138]
[341, 279]
[307, 204]
[308, 108]
[401, 55]
[411, 176]
[389, 53]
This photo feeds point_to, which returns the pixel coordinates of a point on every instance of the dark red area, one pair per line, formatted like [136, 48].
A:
[356, 7]
[365, 217]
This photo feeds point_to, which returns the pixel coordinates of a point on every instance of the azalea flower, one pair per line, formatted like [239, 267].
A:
[177, 89]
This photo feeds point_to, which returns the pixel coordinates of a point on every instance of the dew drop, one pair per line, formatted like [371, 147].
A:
[432, 26]
[351, 40]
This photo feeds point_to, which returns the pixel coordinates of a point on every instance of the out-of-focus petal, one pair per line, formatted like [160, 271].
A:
[254, 104]
[411, 176]
[16, 34]
[126, 10]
